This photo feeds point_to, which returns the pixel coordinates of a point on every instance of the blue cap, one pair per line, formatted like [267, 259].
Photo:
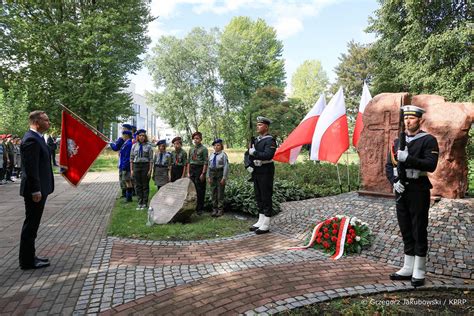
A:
[161, 142]
[133, 127]
[127, 133]
[128, 126]
[217, 141]
[141, 131]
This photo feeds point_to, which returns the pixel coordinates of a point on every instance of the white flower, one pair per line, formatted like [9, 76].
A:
[353, 221]
[339, 216]
[357, 238]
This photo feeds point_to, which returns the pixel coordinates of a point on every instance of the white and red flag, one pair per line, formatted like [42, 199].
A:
[79, 148]
[331, 136]
[301, 135]
[359, 125]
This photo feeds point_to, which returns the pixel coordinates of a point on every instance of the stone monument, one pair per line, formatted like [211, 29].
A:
[448, 122]
[174, 202]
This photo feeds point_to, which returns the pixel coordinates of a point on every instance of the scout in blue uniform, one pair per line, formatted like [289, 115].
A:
[161, 165]
[116, 146]
[141, 167]
[124, 164]
[179, 159]
[217, 174]
[419, 157]
[261, 166]
[197, 168]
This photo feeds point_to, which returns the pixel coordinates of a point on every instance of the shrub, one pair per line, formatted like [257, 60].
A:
[292, 183]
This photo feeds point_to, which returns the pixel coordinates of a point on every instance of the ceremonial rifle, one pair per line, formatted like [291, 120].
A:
[402, 143]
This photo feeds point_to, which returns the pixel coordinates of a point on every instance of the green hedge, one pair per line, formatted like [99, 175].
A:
[292, 182]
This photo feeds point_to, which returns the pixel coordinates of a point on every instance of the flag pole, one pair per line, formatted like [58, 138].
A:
[338, 176]
[347, 167]
[88, 125]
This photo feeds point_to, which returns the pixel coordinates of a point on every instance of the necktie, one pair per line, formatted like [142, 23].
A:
[161, 159]
[140, 150]
[177, 158]
[214, 161]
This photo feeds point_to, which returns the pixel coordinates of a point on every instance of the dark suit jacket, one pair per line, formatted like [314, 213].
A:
[37, 173]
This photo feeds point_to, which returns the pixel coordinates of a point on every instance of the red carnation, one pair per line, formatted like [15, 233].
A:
[326, 236]
[325, 229]
[349, 227]
[325, 244]
[320, 234]
[327, 222]
[334, 231]
[333, 239]
[334, 219]
[351, 231]
[335, 226]
[349, 241]
[318, 240]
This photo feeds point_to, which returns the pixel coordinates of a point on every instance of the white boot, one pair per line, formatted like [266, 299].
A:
[265, 227]
[406, 271]
[259, 223]
[419, 270]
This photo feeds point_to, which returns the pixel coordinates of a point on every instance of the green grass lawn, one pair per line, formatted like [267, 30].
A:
[130, 223]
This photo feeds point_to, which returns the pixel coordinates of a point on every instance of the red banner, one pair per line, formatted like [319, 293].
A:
[79, 148]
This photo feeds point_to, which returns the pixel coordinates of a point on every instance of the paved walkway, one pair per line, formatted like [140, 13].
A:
[245, 274]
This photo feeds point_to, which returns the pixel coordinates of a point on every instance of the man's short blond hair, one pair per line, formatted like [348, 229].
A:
[35, 116]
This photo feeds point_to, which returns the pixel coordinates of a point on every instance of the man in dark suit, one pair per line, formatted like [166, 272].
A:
[37, 183]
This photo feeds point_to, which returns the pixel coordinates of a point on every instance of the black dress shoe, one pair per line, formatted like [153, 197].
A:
[398, 277]
[260, 232]
[253, 228]
[42, 259]
[37, 265]
[417, 282]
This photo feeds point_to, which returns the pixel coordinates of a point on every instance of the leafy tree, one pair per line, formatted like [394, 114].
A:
[308, 82]
[74, 52]
[249, 59]
[354, 68]
[187, 70]
[423, 47]
[285, 115]
[13, 111]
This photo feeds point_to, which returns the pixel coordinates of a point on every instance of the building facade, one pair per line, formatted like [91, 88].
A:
[145, 118]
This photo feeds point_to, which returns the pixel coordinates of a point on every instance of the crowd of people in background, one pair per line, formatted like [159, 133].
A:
[10, 157]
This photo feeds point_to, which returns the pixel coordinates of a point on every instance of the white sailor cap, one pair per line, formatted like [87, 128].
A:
[412, 110]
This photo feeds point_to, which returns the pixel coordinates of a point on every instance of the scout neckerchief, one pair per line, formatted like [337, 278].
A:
[195, 152]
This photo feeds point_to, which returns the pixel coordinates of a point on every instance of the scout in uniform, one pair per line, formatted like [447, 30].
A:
[161, 165]
[179, 159]
[217, 174]
[413, 194]
[116, 146]
[261, 166]
[141, 166]
[197, 168]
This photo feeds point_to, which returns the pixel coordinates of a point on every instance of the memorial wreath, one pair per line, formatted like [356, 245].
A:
[340, 235]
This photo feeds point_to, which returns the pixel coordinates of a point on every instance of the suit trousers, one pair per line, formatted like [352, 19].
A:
[29, 231]
[412, 215]
[176, 172]
[195, 172]
[263, 186]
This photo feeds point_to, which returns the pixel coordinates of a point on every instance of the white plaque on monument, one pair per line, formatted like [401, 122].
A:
[174, 202]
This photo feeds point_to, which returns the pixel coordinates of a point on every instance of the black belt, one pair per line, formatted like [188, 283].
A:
[161, 166]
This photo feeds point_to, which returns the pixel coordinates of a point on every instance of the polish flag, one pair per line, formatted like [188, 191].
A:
[359, 125]
[301, 135]
[331, 136]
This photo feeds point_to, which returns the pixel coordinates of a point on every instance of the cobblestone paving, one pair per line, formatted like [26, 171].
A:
[245, 274]
[72, 227]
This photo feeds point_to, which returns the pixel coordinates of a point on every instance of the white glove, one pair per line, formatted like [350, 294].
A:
[249, 169]
[402, 155]
[399, 187]
[252, 151]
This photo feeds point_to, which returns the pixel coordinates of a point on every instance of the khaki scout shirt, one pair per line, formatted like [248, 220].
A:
[198, 155]
[179, 158]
